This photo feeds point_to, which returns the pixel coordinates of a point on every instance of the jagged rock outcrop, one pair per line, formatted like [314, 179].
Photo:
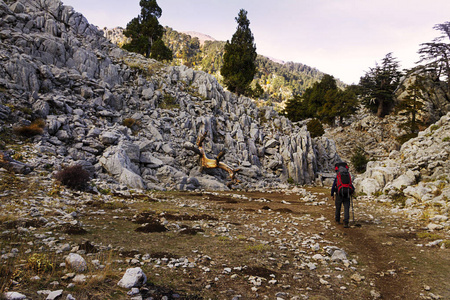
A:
[419, 170]
[56, 66]
[436, 101]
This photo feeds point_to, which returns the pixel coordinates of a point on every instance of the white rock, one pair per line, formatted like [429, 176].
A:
[14, 296]
[76, 262]
[54, 295]
[317, 257]
[80, 278]
[439, 218]
[339, 255]
[133, 277]
[433, 226]
[368, 186]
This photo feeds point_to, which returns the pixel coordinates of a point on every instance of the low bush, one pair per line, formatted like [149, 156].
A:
[129, 122]
[169, 102]
[40, 263]
[359, 160]
[35, 128]
[399, 198]
[406, 137]
[315, 128]
[74, 177]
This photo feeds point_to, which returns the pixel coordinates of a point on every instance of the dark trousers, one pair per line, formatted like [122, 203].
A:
[339, 201]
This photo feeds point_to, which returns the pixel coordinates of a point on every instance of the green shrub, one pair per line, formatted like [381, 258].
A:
[406, 137]
[359, 160]
[434, 128]
[399, 198]
[35, 128]
[446, 139]
[74, 177]
[315, 128]
[40, 263]
[169, 102]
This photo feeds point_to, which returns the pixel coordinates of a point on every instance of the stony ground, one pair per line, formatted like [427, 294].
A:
[204, 245]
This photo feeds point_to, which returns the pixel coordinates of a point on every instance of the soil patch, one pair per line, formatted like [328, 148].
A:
[151, 227]
[73, 229]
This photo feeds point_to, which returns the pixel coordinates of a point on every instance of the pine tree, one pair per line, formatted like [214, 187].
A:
[324, 101]
[338, 104]
[145, 30]
[160, 51]
[379, 84]
[239, 57]
[436, 54]
[412, 106]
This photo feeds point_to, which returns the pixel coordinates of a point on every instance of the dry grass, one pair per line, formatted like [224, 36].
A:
[35, 128]
[245, 252]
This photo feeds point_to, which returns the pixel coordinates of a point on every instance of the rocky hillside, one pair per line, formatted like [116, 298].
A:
[130, 121]
[418, 171]
[279, 79]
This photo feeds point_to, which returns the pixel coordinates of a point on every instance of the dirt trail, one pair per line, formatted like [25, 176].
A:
[392, 263]
[233, 245]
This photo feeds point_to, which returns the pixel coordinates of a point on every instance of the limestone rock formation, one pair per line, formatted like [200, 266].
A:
[419, 170]
[126, 118]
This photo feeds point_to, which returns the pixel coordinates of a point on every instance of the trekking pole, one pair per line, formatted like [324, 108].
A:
[353, 212]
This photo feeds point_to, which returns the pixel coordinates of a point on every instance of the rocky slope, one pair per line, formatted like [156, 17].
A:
[56, 66]
[414, 179]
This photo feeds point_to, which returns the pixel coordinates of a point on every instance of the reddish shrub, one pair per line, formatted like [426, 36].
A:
[35, 128]
[74, 177]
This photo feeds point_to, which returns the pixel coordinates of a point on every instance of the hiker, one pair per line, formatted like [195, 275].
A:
[343, 188]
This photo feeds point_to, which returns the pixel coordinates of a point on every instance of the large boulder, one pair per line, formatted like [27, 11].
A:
[116, 161]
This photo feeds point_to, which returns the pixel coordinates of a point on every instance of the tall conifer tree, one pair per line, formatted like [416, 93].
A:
[379, 84]
[239, 66]
[145, 30]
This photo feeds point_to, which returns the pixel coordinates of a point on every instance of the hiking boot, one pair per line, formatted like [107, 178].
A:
[346, 225]
[338, 221]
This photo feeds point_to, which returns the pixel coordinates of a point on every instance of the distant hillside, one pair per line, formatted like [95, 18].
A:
[201, 37]
[280, 80]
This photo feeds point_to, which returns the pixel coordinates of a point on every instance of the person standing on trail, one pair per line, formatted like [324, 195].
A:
[343, 188]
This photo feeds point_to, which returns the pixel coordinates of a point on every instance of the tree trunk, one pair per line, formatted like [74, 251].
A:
[380, 110]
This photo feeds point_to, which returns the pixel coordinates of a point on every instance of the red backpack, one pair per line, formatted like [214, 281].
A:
[344, 180]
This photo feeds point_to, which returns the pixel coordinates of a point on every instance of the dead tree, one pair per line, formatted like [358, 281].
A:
[212, 163]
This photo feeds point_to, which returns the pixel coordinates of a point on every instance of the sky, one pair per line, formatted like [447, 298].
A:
[343, 38]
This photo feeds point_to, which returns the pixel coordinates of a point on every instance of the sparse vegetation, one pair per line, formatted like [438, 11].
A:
[315, 128]
[359, 159]
[74, 177]
[434, 128]
[406, 137]
[257, 248]
[399, 198]
[35, 128]
[169, 102]
[129, 122]
[40, 263]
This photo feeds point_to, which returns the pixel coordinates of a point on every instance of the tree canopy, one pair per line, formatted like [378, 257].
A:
[324, 101]
[145, 30]
[379, 84]
[436, 55]
[239, 57]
